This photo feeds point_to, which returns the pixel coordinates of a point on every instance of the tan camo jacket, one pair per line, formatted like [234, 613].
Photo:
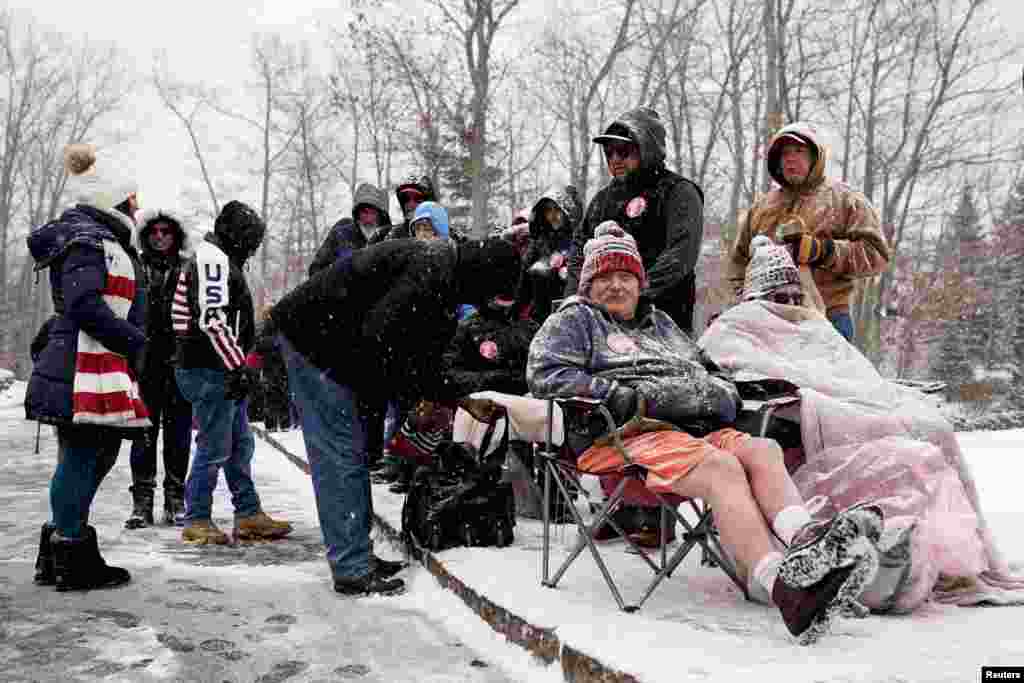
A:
[826, 208]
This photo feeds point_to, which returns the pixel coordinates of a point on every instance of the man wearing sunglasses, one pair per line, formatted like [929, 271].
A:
[162, 240]
[832, 231]
[411, 192]
[662, 210]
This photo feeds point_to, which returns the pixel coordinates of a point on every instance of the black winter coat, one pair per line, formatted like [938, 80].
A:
[489, 354]
[72, 248]
[194, 346]
[380, 320]
[668, 228]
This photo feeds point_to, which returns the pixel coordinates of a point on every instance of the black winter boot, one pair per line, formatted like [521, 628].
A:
[142, 507]
[174, 510]
[78, 564]
[44, 560]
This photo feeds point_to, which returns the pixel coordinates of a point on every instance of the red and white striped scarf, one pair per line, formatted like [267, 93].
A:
[105, 390]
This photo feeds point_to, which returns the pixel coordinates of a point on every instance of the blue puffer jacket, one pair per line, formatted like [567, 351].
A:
[72, 248]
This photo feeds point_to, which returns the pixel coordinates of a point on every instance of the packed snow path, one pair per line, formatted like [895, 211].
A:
[249, 613]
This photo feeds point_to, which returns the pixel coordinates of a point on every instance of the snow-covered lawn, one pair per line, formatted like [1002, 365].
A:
[697, 626]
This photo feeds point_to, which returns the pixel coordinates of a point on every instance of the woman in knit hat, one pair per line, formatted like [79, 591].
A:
[865, 433]
[84, 380]
[608, 343]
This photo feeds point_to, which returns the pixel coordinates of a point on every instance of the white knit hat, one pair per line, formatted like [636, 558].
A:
[611, 249]
[770, 267]
[94, 181]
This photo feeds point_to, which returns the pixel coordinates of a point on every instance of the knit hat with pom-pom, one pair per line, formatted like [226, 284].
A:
[611, 249]
[770, 267]
[92, 181]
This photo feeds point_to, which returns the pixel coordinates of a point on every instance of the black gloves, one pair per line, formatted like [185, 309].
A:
[239, 382]
[622, 403]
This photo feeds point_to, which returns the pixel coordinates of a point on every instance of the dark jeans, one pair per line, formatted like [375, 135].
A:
[84, 457]
[169, 410]
[225, 441]
[843, 324]
[334, 431]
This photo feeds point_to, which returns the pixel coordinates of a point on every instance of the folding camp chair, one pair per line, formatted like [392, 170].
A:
[561, 474]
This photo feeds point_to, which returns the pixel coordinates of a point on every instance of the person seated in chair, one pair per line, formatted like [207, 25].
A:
[607, 343]
[936, 543]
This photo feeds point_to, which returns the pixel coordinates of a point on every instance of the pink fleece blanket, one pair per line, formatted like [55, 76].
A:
[867, 438]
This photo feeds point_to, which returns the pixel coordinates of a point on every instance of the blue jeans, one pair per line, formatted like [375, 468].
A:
[843, 324]
[334, 431]
[224, 441]
[84, 457]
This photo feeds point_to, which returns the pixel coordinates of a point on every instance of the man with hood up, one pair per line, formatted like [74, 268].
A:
[163, 243]
[371, 328]
[831, 230]
[662, 210]
[369, 224]
[553, 221]
[411, 192]
[213, 319]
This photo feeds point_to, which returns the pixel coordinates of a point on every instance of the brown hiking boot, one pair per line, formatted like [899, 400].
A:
[261, 526]
[203, 532]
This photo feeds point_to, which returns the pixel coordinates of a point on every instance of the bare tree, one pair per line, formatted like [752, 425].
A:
[187, 102]
[475, 23]
[580, 65]
[55, 92]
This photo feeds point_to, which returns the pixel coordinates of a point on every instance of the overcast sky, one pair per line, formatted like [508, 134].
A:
[208, 40]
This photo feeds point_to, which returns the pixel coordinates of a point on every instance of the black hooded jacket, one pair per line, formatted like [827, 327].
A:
[424, 184]
[544, 264]
[662, 210]
[195, 347]
[380, 319]
[161, 273]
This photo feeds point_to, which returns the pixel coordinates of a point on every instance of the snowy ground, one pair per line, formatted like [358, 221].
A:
[266, 612]
[697, 627]
[262, 612]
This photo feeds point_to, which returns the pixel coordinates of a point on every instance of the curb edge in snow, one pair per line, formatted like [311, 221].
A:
[542, 643]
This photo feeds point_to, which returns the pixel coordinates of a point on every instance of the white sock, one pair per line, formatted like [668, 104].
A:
[789, 521]
[762, 579]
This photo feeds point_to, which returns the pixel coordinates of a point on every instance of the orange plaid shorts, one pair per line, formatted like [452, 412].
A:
[668, 456]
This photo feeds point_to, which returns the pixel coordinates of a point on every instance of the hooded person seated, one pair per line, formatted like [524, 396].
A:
[610, 344]
[489, 351]
[861, 432]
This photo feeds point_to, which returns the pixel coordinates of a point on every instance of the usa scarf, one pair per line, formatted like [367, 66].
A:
[105, 390]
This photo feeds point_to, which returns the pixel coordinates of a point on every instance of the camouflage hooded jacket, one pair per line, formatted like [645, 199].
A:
[826, 208]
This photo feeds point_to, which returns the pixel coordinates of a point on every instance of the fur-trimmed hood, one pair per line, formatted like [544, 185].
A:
[146, 218]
